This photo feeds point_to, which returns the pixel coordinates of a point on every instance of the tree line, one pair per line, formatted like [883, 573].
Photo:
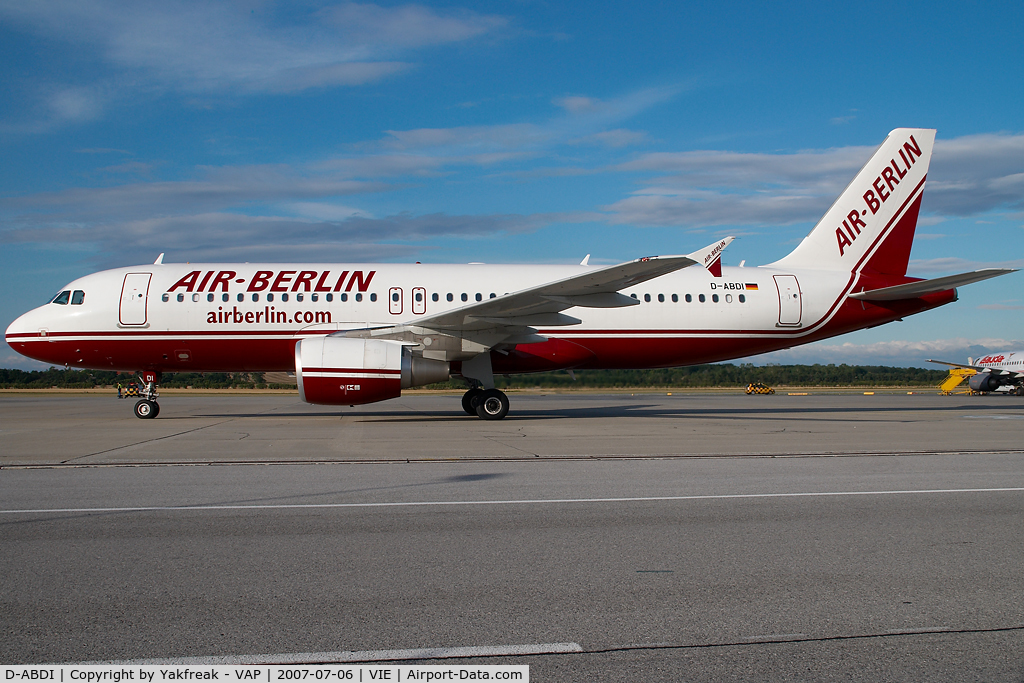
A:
[696, 376]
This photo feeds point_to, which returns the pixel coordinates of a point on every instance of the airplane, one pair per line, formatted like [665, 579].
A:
[360, 333]
[996, 370]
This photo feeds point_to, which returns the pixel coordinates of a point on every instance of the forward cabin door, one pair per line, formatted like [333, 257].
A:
[134, 299]
[790, 304]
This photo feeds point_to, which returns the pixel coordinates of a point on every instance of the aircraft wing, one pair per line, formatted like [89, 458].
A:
[511, 318]
[912, 290]
[599, 288]
[979, 368]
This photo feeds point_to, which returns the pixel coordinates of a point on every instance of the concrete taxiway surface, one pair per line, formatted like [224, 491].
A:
[93, 430]
[902, 564]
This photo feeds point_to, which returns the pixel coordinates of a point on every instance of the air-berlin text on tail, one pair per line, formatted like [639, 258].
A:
[276, 281]
[881, 190]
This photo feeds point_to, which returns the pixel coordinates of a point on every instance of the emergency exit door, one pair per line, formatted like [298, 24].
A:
[790, 304]
[134, 299]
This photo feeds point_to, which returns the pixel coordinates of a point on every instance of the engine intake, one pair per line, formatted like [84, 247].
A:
[983, 381]
[344, 371]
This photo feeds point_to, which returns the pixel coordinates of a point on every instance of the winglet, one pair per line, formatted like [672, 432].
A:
[159, 260]
[711, 256]
[586, 260]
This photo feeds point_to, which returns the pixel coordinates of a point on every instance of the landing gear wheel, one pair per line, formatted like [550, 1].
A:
[493, 405]
[1019, 391]
[146, 410]
[470, 400]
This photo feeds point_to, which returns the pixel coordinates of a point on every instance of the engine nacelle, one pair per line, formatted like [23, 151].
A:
[983, 381]
[348, 372]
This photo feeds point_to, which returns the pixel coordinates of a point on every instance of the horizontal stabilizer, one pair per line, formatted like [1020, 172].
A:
[913, 290]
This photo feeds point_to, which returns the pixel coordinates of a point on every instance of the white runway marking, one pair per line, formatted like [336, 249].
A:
[535, 501]
[359, 656]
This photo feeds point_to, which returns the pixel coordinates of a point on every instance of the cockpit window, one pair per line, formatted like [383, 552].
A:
[62, 298]
[78, 298]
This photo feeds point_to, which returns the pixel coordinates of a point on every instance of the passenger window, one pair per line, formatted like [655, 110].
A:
[167, 297]
[313, 297]
[479, 296]
[647, 298]
[661, 298]
[209, 297]
[743, 298]
[675, 298]
[493, 295]
[62, 298]
[344, 297]
[255, 297]
[394, 297]
[298, 297]
[359, 297]
[181, 297]
[701, 298]
[728, 298]
[714, 297]
[465, 297]
[195, 297]
[418, 296]
[689, 299]
[224, 297]
[450, 297]
[330, 297]
[434, 297]
[373, 297]
[633, 295]
[284, 297]
[78, 298]
[270, 297]
[241, 297]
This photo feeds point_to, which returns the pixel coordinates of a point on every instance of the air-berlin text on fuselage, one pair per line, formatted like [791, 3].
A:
[277, 281]
[881, 190]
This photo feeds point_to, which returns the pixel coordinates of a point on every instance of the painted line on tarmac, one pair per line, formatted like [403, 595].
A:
[359, 656]
[534, 501]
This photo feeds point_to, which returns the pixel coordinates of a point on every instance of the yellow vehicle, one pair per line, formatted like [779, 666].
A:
[759, 388]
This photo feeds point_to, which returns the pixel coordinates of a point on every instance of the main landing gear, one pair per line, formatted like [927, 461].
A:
[489, 404]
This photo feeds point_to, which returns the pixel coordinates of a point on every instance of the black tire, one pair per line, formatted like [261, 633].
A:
[493, 405]
[146, 410]
[1019, 391]
[156, 408]
[470, 400]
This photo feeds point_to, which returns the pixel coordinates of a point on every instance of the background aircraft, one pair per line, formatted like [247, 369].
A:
[995, 370]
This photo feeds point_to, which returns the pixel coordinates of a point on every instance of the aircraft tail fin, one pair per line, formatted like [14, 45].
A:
[871, 226]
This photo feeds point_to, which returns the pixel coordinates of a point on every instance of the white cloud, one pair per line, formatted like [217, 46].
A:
[968, 176]
[897, 353]
[215, 47]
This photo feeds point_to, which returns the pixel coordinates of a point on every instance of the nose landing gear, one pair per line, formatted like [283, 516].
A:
[146, 408]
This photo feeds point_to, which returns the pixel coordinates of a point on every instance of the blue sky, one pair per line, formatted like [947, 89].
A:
[505, 132]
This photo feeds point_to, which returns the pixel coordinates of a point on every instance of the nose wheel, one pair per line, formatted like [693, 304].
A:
[146, 409]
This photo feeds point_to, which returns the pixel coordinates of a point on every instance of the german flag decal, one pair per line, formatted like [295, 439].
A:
[752, 286]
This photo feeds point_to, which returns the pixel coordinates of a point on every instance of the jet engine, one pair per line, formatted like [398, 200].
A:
[983, 381]
[343, 371]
